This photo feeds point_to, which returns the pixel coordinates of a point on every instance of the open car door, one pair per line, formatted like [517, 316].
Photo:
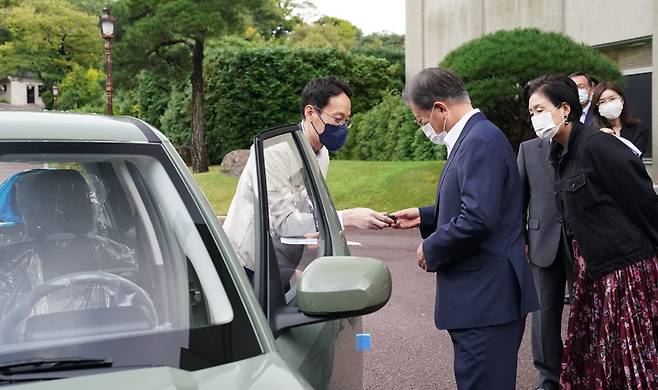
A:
[304, 279]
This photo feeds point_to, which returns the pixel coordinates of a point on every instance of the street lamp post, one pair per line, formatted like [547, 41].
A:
[55, 94]
[107, 24]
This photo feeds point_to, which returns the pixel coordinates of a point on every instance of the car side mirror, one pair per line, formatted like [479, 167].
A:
[336, 287]
[346, 286]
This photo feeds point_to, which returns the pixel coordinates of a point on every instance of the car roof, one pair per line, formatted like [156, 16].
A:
[60, 126]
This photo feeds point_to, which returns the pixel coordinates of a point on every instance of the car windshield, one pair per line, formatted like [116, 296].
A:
[104, 254]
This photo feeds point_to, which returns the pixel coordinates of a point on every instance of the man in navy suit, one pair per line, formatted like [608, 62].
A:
[473, 235]
[586, 85]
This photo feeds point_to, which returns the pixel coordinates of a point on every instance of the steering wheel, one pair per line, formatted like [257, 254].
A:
[112, 282]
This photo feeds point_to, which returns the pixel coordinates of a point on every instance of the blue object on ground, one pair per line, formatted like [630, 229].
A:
[363, 342]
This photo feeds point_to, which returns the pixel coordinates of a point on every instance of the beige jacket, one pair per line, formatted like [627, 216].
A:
[289, 206]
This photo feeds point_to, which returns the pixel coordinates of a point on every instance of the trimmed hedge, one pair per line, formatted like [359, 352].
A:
[496, 66]
[177, 118]
[250, 89]
[388, 132]
[152, 94]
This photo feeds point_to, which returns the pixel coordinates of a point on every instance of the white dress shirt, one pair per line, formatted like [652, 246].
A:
[583, 115]
[453, 134]
[628, 143]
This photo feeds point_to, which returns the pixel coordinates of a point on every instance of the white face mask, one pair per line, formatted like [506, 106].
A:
[544, 125]
[583, 95]
[611, 110]
[429, 132]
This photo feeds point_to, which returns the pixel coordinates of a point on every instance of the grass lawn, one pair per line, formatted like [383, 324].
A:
[383, 185]
[218, 187]
[380, 185]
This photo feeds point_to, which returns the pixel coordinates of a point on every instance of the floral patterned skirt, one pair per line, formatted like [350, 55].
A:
[613, 329]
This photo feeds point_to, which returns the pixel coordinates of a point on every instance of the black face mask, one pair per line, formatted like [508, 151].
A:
[333, 137]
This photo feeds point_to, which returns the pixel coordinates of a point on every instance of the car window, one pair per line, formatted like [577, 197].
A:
[102, 246]
[293, 212]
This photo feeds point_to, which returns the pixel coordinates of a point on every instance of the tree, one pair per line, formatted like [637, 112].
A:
[47, 37]
[496, 67]
[327, 32]
[92, 7]
[172, 34]
[276, 19]
[381, 41]
[83, 89]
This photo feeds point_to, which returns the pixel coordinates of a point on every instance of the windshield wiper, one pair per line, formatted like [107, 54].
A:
[45, 369]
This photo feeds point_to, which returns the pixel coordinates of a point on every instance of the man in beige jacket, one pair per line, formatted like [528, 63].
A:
[325, 108]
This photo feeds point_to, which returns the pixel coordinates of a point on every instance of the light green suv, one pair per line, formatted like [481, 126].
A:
[115, 272]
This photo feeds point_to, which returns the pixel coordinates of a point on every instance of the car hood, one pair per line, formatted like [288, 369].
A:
[266, 371]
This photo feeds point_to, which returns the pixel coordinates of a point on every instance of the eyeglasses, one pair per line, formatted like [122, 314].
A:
[337, 121]
[419, 121]
[608, 100]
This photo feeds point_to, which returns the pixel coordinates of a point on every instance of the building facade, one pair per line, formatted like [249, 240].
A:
[623, 31]
[20, 94]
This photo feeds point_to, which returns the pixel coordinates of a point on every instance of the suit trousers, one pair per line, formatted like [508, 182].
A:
[547, 343]
[486, 357]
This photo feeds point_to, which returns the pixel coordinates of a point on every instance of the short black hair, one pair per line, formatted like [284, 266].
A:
[557, 88]
[590, 80]
[317, 92]
[434, 84]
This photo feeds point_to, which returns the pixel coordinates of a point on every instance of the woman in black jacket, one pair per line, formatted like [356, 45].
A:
[610, 210]
[611, 114]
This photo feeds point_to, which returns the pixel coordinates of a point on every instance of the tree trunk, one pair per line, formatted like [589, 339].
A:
[199, 154]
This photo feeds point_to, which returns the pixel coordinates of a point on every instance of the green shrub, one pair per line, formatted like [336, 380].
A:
[249, 89]
[83, 89]
[393, 55]
[176, 121]
[496, 66]
[152, 96]
[388, 132]
[125, 103]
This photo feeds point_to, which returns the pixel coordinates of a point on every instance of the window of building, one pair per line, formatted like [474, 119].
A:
[638, 95]
[30, 94]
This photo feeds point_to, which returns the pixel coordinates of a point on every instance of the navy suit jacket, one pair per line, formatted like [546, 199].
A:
[473, 236]
[589, 118]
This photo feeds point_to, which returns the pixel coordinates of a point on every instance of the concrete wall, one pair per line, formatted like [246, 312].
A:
[621, 30]
[609, 20]
[435, 27]
[17, 92]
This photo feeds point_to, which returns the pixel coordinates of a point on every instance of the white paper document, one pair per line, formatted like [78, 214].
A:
[309, 241]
